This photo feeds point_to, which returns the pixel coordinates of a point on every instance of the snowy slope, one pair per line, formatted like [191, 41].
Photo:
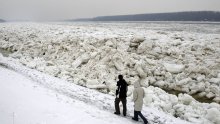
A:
[42, 99]
[23, 101]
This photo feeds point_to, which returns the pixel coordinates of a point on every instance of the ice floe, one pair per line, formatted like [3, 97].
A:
[89, 54]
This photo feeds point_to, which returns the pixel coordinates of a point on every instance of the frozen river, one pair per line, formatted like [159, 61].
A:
[194, 27]
[177, 56]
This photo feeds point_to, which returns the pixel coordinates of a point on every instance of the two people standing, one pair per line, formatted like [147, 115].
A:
[138, 95]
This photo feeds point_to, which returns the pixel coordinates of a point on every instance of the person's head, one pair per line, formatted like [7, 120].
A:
[120, 77]
[137, 84]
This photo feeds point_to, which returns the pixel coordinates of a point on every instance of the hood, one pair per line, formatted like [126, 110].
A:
[137, 85]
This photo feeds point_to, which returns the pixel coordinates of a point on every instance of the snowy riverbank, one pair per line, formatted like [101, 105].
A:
[29, 96]
[24, 101]
[158, 55]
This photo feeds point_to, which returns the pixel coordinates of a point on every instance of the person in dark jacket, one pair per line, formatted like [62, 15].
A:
[121, 94]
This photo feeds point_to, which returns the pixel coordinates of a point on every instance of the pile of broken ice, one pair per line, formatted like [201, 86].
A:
[90, 55]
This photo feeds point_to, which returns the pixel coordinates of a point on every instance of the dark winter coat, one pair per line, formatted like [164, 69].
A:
[122, 88]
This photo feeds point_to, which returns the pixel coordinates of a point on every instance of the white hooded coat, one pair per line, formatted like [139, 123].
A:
[138, 95]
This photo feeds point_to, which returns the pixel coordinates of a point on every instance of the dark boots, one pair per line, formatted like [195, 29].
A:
[136, 113]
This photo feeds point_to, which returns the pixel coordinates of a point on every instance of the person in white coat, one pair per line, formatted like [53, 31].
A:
[138, 95]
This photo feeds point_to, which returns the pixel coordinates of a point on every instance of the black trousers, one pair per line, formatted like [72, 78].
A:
[136, 113]
[124, 102]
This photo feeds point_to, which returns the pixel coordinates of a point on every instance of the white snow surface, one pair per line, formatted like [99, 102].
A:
[31, 97]
[23, 101]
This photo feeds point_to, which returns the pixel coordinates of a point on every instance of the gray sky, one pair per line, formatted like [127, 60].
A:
[71, 9]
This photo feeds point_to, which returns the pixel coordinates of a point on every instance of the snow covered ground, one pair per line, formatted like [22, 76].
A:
[23, 101]
[31, 97]
[181, 57]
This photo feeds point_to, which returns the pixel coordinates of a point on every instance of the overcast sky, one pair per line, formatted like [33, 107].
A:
[72, 9]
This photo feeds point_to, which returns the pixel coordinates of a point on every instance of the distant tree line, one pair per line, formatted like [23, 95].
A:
[176, 16]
